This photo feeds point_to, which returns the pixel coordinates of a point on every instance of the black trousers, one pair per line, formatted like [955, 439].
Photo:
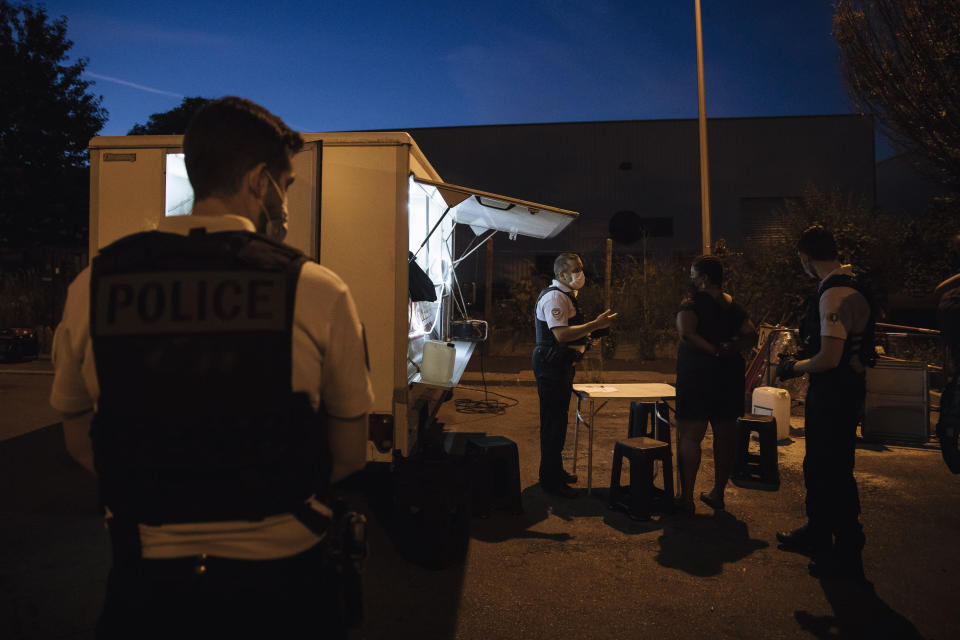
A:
[833, 407]
[226, 598]
[555, 386]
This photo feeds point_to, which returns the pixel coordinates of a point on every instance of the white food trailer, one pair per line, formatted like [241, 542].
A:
[360, 205]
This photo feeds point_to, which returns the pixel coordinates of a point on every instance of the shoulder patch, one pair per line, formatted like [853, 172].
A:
[833, 317]
[555, 313]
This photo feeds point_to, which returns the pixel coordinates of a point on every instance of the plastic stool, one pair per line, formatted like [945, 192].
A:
[639, 500]
[495, 474]
[641, 421]
[648, 419]
[747, 464]
[432, 512]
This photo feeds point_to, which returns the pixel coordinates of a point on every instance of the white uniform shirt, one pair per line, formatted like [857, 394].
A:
[327, 339]
[556, 308]
[843, 310]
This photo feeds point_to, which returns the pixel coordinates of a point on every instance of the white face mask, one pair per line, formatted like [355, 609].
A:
[577, 279]
[275, 228]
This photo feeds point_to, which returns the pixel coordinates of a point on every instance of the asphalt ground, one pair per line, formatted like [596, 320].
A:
[564, 568]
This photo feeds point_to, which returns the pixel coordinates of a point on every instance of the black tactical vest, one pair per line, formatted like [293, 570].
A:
[545, 337]
[860, 345]
[196, 419]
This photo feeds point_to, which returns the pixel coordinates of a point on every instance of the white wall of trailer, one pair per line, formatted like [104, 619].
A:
[359, 229]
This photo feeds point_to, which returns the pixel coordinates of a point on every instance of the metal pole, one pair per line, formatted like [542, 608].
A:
[608, 270]
[606, 274]
[702, 115]
[488, 292]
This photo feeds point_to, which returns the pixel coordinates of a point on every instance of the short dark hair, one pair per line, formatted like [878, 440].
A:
[818, 243]
[710, 266]
[228, 137]
[563, 261]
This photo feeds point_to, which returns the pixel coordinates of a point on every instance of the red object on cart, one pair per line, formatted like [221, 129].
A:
[758, 372]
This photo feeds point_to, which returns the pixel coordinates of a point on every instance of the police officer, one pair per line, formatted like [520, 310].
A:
[948, 317]
[562, 338]
[217, 389]
[836, 346]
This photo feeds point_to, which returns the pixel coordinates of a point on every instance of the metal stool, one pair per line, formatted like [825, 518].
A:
[640, 499]
[765, 465]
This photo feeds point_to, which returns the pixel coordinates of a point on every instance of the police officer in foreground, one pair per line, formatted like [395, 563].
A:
[562, 337]
[836, 345]
[948, 318]
[215, 381]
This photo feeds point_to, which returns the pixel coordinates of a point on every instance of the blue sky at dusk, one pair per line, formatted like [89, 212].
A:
[327, 66]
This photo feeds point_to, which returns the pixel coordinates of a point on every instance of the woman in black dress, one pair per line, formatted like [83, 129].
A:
[710, 378]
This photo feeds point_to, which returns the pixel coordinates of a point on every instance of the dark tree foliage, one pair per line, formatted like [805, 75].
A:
[47, 117]
[898, 256]
[901, 59]
[173, 122]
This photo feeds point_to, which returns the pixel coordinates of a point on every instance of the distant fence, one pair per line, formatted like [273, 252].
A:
[33, 284]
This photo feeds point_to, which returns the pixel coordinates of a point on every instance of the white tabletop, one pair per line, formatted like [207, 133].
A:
[636, 391]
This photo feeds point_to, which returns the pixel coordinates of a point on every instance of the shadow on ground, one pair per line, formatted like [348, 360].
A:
[539, 505]
[857, 613]
[40, 478]
[54, 552]
[700, 545]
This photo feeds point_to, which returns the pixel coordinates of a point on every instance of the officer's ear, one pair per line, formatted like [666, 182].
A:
[255, 181]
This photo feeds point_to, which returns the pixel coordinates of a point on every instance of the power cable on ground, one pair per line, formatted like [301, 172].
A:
[487, 405]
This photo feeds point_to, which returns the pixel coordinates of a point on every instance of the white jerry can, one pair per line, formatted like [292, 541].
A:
[773, 401]
[439, 358]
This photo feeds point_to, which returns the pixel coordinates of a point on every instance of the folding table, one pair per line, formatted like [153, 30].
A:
[655, 392]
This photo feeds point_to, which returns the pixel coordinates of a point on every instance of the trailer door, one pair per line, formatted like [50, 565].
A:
[126, 192]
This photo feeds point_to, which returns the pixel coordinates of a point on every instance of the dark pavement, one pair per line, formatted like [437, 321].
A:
[562, 569]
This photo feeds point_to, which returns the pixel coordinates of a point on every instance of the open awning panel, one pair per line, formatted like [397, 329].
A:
[481, 211]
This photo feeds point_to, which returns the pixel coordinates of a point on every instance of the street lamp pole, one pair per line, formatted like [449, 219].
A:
[702, 116]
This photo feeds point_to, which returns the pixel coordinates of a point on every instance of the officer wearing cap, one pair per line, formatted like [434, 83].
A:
[215, 381]
[562, 338]
[836, 345]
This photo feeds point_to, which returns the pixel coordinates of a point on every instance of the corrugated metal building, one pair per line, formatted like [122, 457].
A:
[650, 169]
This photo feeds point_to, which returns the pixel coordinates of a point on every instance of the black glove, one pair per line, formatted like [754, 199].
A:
[785, 369]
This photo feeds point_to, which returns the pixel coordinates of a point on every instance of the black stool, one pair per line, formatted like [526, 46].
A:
[642, 420]
[432, 512]
[495, 474]
[641, 498]
[649, 419]
[748, 464]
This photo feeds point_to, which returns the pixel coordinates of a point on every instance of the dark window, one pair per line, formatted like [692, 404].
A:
[626, 166]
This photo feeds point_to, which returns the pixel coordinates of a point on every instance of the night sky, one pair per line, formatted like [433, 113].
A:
[328, 66]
